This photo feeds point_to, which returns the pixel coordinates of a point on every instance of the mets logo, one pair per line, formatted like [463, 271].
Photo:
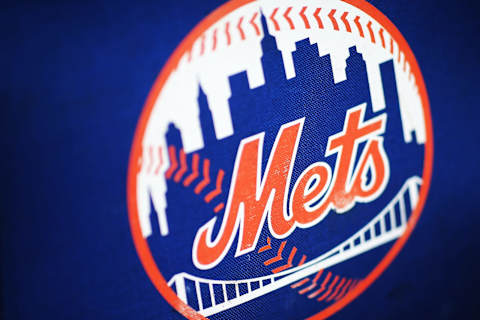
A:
[281, 161]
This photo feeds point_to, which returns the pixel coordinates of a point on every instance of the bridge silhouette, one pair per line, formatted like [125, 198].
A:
[374, 234]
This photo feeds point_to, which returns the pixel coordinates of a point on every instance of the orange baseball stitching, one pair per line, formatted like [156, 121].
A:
[317, 17]
[289, 262]
[304, 17]
[240, 30]
[333, 19]
[334, 291]
[289, 20]
[254, 24]
[194, 175]
[322, 287]
[173, 162]
[206, 177]
[344, 289]
[266, 247]
[218, 189]
[183, 168]
[335, 280]
[314, 283]
[345, 22]
[278, 257]
[287, 16]
[272, 17]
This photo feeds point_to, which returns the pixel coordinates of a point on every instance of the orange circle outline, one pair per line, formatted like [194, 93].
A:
[141, 244]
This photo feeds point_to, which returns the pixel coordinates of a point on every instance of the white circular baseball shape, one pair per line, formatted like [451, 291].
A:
[227, 42]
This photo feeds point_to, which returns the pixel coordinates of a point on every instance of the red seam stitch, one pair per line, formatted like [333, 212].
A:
[314, 283]
[285, 15]
[272, 17]
[299, 283]
[173, 162]
[160, 160]
[307, 26]
[342, 293]
[218, 190]
[266, 247]
[352, 286]
[355, 283]
[206, 177]
[335, 292]
[214, 40]
[380, 32]
[302, 261]
[194, 175]
[329, 289]
[345, 22]
[370, 30]
[318, 275]
[359, 26]
[239, 27]
[289, 261]
[183, 166]
[333, 19]
[254, 24]
[218, 207]
[322, 287]
[227, 32]
[278, 257]
[316, 14]
[304, 17]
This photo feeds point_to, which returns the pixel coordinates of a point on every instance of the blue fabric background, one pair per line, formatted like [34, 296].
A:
[74, 80]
